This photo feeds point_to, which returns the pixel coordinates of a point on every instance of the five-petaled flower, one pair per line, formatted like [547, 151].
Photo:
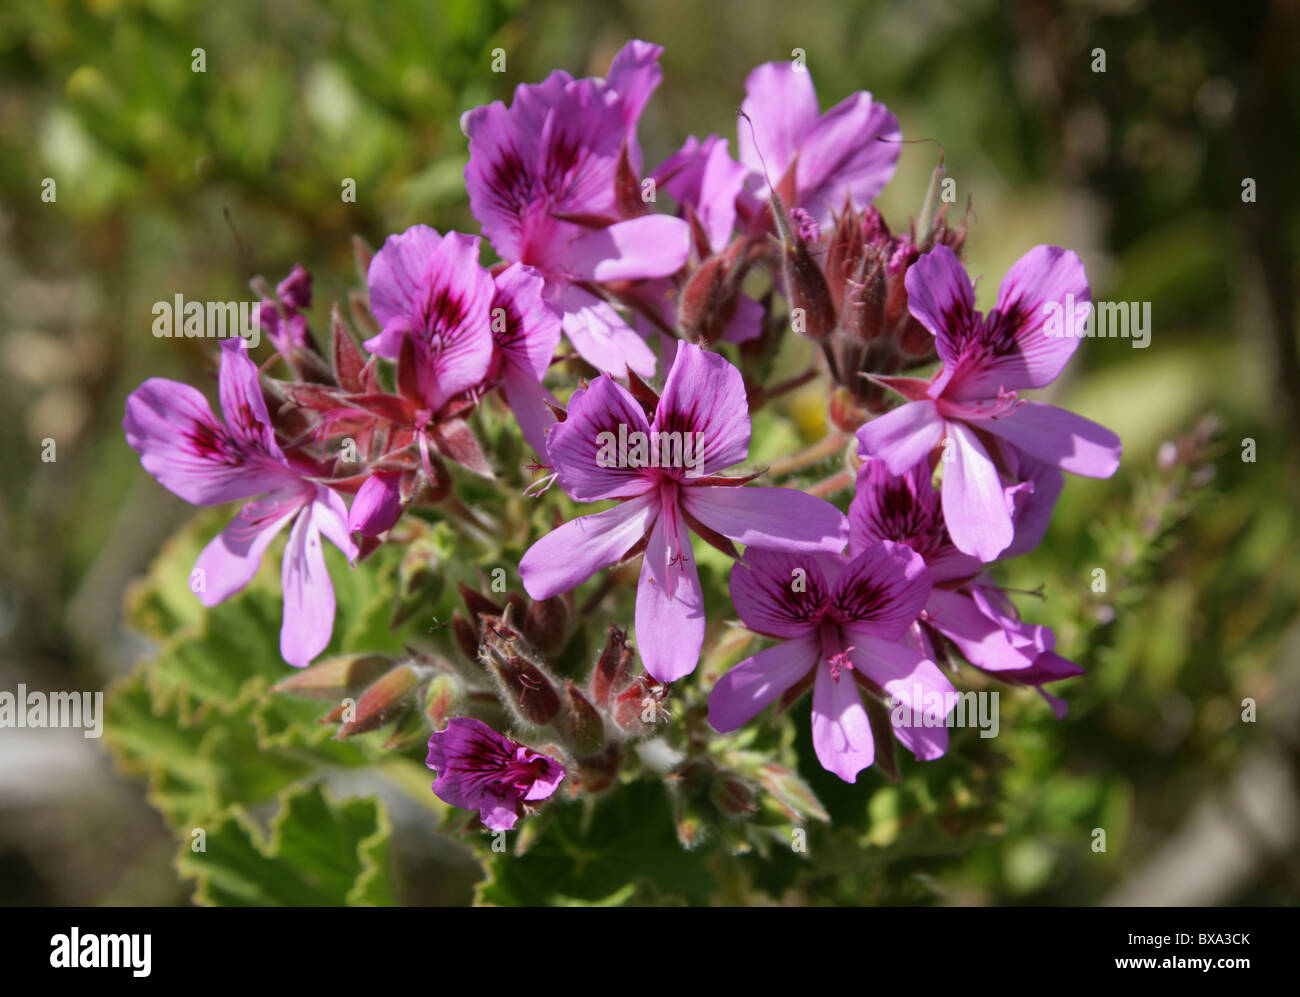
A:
[842, 624]
[972, 402]
[660, 506]
[190, 452]
[964, 605]
[816, 161]
[542, 180]
[479, 769]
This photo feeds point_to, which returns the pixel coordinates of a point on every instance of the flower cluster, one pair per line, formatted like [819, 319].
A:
[865, 608]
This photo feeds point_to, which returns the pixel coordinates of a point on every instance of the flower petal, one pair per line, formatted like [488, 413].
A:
[902, 437]
[974, 503]
[1045, 278]
[377, 505]
[526, 330]
[849, 153]
[396, 277]
[650, 246]
[669, 602]
[913, 681]
[184, 446]
[1059, 438]
[840, 729]
[748, 688]
[882, 590]
[584, 448]
[599, 333]
[778, 593]
[451, 322]
[231, 559]
[528, 401]
[308, 594]
[570, 554]
[940, 296]
[781, 107]
[634, 74]
[771, 518]
[704, 394]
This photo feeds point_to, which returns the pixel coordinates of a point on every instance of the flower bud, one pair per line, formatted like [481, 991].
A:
[637, 710]
[384, 700]
[585, 727]
[733, 795]
[614, 667]
[335, 677]
[444, 699]
[812, 312]
[790, 793]
[546, 623]
[525, 688]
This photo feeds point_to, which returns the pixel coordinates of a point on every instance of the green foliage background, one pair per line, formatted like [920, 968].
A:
[1139, 168]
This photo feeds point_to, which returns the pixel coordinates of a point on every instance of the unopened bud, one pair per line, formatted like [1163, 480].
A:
[524, 686]
[443, 700]
[546, 623]
[614, 667]
[335, 677]
[583, 721]
[707, 301]
[733, 795]
[466, 635]
[384, 700]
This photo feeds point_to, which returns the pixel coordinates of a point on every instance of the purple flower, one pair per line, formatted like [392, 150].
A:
[816, 161]
[282, 320]
[430, 289]
[469, 329]
[964, 605]
[479, 769]
[542, 182]
[525, 332]
[705, 182]
[841, 623]
[972, 399]
[602, 451]
[191, 453]
[377, 505]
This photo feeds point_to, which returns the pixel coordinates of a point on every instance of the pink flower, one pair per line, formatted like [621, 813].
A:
[816, 161]
[542, 182]
[430, 289]
[972, 400]
[469, 329]
[282, 318]
[841, 624]
[479, 769]
[964, 605]
[191, 453]
[703, 407]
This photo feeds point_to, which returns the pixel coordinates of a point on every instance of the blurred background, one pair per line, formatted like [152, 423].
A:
[1122, 129]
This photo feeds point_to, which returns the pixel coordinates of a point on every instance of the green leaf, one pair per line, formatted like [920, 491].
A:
[618, 849]
[320, 853]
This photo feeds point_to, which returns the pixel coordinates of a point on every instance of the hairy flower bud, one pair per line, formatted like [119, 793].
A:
[384, 700]
[335, 677]
[444, 699]
[583, 722]
[614, 667]
[546, 622]
[525, 688]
